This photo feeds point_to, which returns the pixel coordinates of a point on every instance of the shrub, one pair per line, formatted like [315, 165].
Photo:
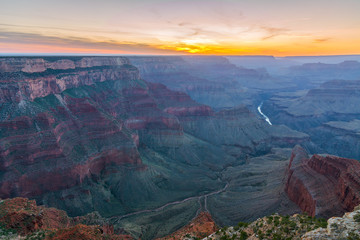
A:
[353, 236]
[243, 235]
[292, 225]
[357, 217]
[243, 224]
[277, 236]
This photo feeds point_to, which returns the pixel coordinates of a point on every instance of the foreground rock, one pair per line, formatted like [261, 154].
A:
[201, 226]
[20, 216]
[346, 227]
[323, 185]
[271, 227]
[296, 227]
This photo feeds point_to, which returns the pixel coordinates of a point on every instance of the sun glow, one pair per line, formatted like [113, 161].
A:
[174, 27]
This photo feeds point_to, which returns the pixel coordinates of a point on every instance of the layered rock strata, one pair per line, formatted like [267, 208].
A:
[323, 185]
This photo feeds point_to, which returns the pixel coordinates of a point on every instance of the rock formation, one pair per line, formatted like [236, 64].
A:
[86, 134]
[274, 226]
[315, 73]
[25, 218]
[211, 80]
[345, 227]
[200, 227]
[323, 185]
[328, 114]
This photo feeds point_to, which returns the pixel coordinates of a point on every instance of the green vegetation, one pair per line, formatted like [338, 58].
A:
[243, 224]
[269, 220]
[5, 232]
[36, 236]
[243, 235]
[353, 236]
[274, 227]
[357, 217]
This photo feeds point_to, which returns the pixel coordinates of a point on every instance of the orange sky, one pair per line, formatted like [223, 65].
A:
[226, 27]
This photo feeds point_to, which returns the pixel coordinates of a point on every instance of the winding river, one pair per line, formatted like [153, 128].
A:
[262, 114]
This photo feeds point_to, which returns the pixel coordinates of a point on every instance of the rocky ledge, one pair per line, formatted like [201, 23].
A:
[201, 226]
[30, 78]
[41, 64]
[346, 227]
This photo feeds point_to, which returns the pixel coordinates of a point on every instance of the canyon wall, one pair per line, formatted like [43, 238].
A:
[323, 185]
[88, 134]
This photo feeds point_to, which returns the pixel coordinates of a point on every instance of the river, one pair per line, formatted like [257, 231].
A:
[262, 114]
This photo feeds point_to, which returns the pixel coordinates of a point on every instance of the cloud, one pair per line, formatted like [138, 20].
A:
[76, 42]
[321, 40]
[272, 32]
[33, 27]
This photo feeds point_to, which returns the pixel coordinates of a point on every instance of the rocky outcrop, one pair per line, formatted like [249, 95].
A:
[345, 227]
[27, 219]
[36, 65]
[274, 226]
[294, 227]
[295, 187]
[36, 79]
[200, 227]
[323, 185]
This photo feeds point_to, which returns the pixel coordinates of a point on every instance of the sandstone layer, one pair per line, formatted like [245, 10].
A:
[323, 185]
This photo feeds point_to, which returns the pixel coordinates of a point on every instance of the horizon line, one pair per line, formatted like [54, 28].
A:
[119, 55]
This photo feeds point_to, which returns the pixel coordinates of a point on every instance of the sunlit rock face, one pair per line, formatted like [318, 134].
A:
[30, 78]
[323, 185]
[35, 64]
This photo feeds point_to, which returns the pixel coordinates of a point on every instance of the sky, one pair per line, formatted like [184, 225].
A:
[221, 27]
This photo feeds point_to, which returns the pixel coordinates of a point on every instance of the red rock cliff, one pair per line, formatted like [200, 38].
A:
[34, 64]
[323, 185]
[30, 78]
[70, 133]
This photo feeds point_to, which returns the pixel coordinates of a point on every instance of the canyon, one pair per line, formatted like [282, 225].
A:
[329, 111]
[88, 134]
[149, 143]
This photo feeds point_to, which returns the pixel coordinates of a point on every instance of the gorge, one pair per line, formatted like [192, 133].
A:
[146, 144]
